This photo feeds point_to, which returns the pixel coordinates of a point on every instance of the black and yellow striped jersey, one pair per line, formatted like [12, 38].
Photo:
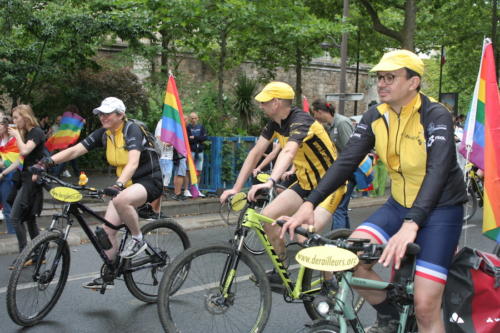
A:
[316, 151]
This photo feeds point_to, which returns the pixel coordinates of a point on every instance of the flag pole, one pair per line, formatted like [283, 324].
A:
[441, 71]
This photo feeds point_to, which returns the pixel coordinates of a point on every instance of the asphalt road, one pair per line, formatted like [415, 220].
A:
[81, 310]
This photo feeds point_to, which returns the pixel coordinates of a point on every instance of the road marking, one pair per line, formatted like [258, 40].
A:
[468, 226]
[70, 278]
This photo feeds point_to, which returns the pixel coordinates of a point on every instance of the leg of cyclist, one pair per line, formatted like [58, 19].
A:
[427, 299]
[286, 203]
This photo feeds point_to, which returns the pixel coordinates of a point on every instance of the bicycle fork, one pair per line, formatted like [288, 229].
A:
[230, 268]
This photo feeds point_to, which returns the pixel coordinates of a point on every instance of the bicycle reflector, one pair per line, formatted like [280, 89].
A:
[327, 258]
[65, 194]
[238, 201]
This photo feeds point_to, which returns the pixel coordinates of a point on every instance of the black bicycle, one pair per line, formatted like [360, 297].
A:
[41, 270]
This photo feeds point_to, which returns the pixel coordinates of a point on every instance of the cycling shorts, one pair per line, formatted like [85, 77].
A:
[330, 203]
[438, 236]
[153, 186]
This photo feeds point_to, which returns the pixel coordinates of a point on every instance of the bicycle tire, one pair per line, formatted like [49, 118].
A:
[246, 309]
[167, 238]
[470, 207]
[35, 279]
[411, 324]
[308, 281]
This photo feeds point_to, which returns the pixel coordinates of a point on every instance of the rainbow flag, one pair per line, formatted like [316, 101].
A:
[10, 153]
[68, 132]
[488, 99]
[173, 129]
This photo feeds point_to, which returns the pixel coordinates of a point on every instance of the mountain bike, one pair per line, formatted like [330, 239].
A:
[41, 270]
[228, 289]
[339, 312]
[474, 191]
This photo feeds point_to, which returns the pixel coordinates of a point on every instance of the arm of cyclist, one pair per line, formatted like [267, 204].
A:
[269, 158]
[288, 173]
[283, 161]
[131, 166]
[360, 144]
[245, 171]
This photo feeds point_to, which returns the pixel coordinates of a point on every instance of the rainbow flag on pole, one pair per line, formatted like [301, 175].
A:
[10, 153]
[68, 132]
[489, 100]
[173, 130]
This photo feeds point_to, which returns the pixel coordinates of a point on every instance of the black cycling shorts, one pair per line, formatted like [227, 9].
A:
[153, 186]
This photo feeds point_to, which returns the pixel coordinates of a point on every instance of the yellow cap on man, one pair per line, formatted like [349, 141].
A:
[275, 89]
[398, 59]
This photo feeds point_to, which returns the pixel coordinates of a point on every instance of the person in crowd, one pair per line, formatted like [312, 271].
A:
[28, 201]
[137, 170]
[44, 124]
[305, 143]
[340, 129]
[54, 127]
[7, 171]
[413, 136]
[180, 172]
[197, 136]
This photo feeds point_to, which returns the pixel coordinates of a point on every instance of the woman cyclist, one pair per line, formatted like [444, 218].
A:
[137, 168]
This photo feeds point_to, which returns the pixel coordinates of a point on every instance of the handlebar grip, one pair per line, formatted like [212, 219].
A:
[412, 249]
[299, 230]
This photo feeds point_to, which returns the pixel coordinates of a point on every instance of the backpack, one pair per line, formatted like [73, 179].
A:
[471, 301]
[151, 142]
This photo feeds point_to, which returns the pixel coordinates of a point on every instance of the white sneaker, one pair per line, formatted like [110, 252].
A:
[1, 215]
[187, 193]
[202, 195]
[66, 174]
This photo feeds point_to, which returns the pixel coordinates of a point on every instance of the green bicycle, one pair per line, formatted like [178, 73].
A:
[338, 311]
[227, 289]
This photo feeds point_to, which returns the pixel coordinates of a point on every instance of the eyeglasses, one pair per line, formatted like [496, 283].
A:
[102, 114]
[388, 78]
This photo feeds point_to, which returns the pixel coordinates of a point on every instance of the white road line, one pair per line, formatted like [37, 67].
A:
[468, 226]
[70, 278]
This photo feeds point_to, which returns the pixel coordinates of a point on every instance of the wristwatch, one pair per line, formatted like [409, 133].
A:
[120, 185]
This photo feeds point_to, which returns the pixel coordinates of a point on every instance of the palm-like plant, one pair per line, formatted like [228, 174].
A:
[244, 93]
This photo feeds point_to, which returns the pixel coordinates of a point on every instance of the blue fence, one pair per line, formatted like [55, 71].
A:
[223, 158]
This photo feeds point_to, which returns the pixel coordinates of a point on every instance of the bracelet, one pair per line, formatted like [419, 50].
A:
[272, 180]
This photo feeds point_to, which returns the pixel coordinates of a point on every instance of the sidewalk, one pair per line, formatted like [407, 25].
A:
[191, 214]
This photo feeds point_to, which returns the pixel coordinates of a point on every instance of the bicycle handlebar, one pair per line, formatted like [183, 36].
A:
[45, 179]
[370, 251]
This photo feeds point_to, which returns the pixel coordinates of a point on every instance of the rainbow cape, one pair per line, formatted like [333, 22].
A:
[173, 129]
[488, 99]
[10, 153]
[68, 132]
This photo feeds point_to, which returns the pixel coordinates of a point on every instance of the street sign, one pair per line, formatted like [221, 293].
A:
[344, 97]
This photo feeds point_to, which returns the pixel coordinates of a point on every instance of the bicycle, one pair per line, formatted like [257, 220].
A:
[41, 270]
[474, 186]
[228, 289]
[339, 312]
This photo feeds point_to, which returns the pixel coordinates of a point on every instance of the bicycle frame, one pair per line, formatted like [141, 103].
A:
[254, 220]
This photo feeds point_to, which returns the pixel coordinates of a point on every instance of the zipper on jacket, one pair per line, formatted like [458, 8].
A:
[400, 171]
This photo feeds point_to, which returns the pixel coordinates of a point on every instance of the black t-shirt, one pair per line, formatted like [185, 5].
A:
[38, 137]
[149, 164]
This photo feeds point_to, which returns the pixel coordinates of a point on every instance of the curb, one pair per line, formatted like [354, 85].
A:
[199, 218]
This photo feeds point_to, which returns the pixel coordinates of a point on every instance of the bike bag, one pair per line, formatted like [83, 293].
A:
[471, 301]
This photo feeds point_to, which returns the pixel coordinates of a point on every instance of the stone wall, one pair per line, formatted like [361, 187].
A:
[322, 76]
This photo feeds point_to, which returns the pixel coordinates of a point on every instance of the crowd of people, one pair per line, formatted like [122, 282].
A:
[407, 135]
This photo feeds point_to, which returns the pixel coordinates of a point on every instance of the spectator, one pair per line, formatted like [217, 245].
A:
[28, 202]
[340, 129]
[44, 124]
[7, 170]
[197, 135]
[179, 175]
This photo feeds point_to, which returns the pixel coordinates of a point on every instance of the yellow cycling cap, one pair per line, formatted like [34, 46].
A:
[395, 60]
[275, 90]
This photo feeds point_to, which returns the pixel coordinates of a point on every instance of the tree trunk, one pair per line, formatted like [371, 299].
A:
[165, 41]
[220, 71]
[298, 77]
[410, 25]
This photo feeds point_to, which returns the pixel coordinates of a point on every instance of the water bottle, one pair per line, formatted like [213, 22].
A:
[102, 238]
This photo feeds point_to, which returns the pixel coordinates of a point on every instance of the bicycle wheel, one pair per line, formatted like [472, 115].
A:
[144, 272]
[38, 279]
[313, 279]
[245, 308]
[411, 324]
[470, 207]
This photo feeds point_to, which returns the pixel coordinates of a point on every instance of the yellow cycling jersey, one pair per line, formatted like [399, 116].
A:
[316, 151]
